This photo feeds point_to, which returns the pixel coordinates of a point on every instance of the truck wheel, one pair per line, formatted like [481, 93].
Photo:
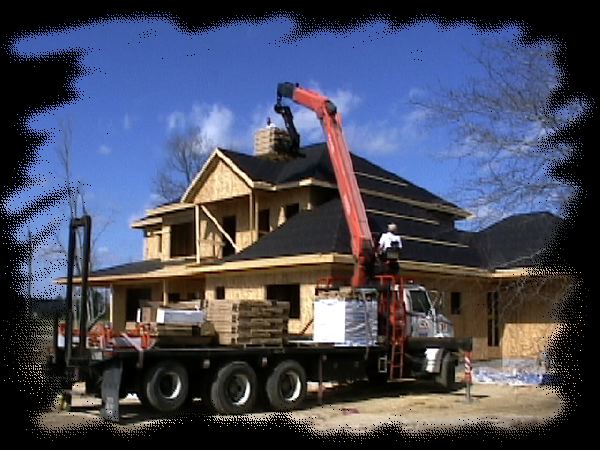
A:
[446, 378]
[233, 390]
[143, 398]
[286, 386]
[165, 386]
[377, 378]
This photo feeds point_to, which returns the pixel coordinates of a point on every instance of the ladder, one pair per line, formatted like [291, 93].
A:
[397, 313]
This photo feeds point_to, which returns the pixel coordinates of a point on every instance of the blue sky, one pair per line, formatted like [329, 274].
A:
[146, 79]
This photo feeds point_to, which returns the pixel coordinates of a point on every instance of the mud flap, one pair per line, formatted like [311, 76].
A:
[111, 382]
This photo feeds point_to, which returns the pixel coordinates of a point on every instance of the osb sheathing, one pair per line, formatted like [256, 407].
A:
[240, 208]
[524, 313]
[152, 243]
[251, 286]
[178, 217]
[221, 183]
[211, 241]
[276, 202]
[526, 340]
[185, 287]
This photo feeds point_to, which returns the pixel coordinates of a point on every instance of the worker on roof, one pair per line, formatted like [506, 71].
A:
[389, 250]
[390, 238]
[269, 123]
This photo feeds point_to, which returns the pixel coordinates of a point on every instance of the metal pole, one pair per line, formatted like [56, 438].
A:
[86, 222]
[69, 294]
[320, 394]
[30, 275]
[468, 375]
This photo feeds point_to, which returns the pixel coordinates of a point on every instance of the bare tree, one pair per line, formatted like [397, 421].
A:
[187, 152]
[76, 204]
[505, 130]
[76, 207]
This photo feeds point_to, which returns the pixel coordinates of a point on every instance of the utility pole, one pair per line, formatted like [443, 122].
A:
[30, 272]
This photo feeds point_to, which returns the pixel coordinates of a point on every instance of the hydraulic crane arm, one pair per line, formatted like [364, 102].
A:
[339, 153]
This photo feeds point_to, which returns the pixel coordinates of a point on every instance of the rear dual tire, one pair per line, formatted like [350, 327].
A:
[286, 386]
[165, 387]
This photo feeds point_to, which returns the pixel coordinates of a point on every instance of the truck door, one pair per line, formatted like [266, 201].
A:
[419, 313]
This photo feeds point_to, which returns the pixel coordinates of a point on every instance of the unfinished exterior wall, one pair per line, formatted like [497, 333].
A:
[524, 316]
[153, 242]
[252, 286]
[472, 319]
[529, 324]
[240, 209]
[211, 241]
[276, 202]
[187, 288]
[119, 302]
[222, 183]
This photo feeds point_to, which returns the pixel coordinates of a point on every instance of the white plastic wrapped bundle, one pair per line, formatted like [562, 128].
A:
[347, 322]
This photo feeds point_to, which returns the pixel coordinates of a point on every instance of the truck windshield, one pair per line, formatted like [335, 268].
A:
[419, 301]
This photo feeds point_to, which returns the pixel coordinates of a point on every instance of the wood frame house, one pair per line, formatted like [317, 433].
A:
[254, 227]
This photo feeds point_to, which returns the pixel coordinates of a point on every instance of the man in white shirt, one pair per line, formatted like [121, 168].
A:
[390, 239]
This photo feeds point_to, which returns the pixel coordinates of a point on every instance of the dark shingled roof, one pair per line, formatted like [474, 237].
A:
[428, 236]
[137, 267]
[517, 240]
[324, 230]
[316, 164]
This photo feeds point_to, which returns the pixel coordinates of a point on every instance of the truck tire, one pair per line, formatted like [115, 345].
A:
[446, 378]
[165, 386]
[286, 386]
[143, 399]
[233, 391]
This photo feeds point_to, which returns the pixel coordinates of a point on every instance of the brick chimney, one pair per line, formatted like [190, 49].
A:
[272, 143]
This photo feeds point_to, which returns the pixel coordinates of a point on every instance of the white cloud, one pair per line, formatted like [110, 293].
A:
[306, 121]
[346, 101]
[214, 122]
[385, 136]
[127, 122]
[175, 120]
[105, 150]
[373, 137]
[415, 93]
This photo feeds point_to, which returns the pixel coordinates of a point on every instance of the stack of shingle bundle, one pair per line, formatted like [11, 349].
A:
[249, 322]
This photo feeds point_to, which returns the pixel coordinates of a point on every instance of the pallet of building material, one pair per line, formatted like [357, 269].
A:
[179, 316]
[183, 341]
[257, 322]
[230, 339]
[174, 330]
[250, 332]
[274, 324]
[187, 305]
[220, 310]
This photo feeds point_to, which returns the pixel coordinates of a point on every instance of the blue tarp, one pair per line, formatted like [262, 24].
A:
[513, 372]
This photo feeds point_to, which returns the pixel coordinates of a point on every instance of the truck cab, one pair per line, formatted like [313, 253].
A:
[424, 318]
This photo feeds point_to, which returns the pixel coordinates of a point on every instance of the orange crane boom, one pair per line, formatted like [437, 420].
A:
[339, 153]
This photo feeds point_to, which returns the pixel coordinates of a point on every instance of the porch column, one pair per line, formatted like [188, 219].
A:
[197, 231]
[251, 216]
[165, 286]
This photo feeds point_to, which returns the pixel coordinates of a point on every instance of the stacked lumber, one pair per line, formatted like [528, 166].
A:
[182, 334]
[249, 322]
[271, 142]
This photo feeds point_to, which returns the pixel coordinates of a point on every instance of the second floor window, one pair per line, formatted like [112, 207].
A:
[264, 225]
[182, 239]
[230, 227]
[291, 210]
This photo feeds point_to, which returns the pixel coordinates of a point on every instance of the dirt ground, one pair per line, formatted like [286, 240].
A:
[358, 407]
